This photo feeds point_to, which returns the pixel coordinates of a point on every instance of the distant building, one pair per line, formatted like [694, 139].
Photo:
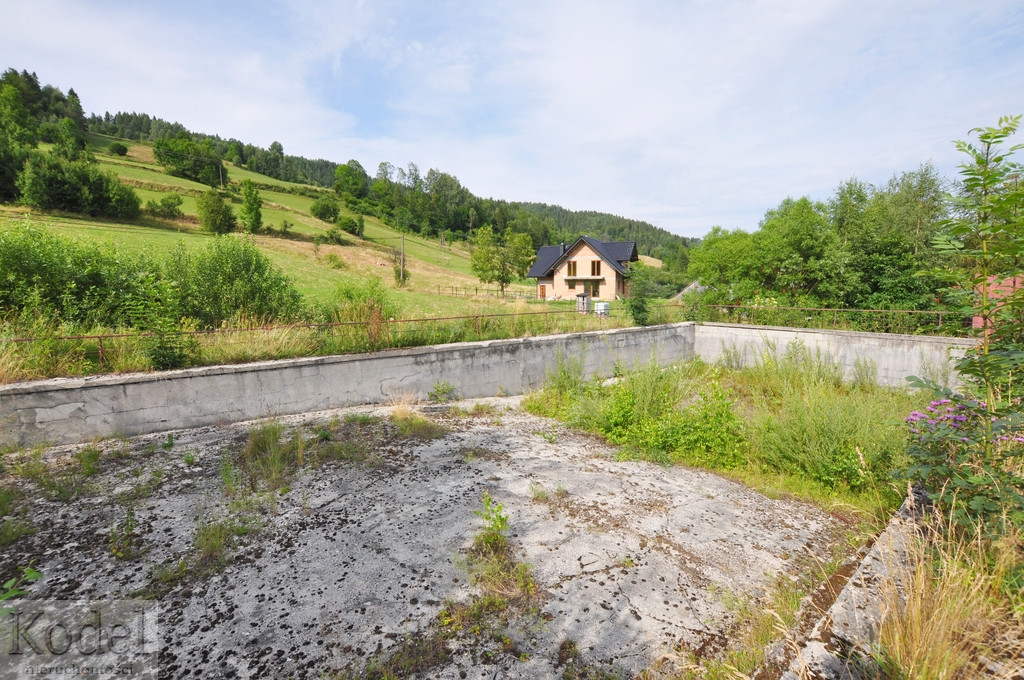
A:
[591, 267]
[997, 291]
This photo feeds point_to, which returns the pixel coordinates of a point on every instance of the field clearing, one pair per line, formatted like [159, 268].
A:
[237, 174]
[315, 271]
[140, 173]
[294, 208]
[295, 202]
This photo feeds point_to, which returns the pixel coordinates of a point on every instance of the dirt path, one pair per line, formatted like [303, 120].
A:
[633, 561]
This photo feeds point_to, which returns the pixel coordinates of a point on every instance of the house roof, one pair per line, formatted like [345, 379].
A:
[615, 253]
[547, 256]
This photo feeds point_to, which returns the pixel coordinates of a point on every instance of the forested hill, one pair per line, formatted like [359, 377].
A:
[571, 224]
[431, 203]
[272, 162]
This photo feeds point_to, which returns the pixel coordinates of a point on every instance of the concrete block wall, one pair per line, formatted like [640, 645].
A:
[894, 357]
[66, 411]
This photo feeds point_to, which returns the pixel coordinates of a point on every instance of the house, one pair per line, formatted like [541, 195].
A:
[588, 266]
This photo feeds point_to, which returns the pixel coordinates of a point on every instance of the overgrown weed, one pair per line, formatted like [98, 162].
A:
[957, 600]
[412, 425]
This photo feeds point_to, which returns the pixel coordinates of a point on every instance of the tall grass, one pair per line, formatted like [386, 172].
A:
[51, 353]
[787, 426]
[955, 609]
[806, 422]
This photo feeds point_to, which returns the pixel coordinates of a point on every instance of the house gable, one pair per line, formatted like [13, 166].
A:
[587, 266]
[615, 253]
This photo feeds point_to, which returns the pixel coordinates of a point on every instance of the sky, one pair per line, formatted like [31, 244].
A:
[687, 114]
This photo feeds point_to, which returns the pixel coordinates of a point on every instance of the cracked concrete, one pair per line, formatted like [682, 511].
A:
[634, 561]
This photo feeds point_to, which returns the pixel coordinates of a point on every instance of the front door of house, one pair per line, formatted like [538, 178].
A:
[543, 295]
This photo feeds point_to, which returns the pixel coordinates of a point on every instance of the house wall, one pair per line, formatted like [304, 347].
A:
[583, 255]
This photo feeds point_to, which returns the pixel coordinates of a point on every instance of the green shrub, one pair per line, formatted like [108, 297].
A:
[645, 412]
[364, 300]
[229, 278]
[215, 214]
[639, 301]
[325, 208]
[352, 226]
[169, 207]
[840, 440]
[333, 235]
[68, 280]
[491, 540]
[51, 183]
[117, 149]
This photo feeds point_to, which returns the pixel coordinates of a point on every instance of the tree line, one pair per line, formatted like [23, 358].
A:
[271, 162]
[863, 248]
[859, 249]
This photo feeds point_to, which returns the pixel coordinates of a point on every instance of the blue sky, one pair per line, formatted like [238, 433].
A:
[685, 113]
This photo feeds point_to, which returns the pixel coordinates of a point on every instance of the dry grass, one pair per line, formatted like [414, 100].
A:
[956, 610]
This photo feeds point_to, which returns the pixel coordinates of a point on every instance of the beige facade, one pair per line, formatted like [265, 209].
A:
[582, 271]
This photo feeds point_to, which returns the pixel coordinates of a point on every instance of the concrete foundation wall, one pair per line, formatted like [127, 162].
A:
[65, 411]
[894, 357]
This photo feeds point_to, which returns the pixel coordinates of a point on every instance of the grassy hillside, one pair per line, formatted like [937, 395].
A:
[317, 270]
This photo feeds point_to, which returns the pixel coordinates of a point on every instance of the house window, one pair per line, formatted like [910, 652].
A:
[572, 270]
[595, 268]
[596, 290]
[572, 284]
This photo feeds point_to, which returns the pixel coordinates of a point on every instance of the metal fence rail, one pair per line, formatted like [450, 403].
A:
[24, 358]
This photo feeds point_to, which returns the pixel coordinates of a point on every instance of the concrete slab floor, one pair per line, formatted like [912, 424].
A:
[633, 562]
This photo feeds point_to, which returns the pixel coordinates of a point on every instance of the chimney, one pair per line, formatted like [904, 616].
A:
[563, 248]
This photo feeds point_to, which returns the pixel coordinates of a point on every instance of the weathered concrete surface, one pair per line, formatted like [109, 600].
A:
[65, 411]
[851, 624]
[633, 561]
[893, 357]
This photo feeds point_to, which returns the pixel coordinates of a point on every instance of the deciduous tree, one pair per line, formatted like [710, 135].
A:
[325, 208]
[250, 214]
[501, 259]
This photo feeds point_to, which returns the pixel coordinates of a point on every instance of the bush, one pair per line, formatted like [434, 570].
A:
[12, 159]
[352, 226]
[645, 412]
[325, 208]
[214, 213]
[639, 300]
[75, 281]
[364, 300]
[124, 202]
[51, 183]
[831, 437]
[230, 277]
[117, 149]
[169, 207]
